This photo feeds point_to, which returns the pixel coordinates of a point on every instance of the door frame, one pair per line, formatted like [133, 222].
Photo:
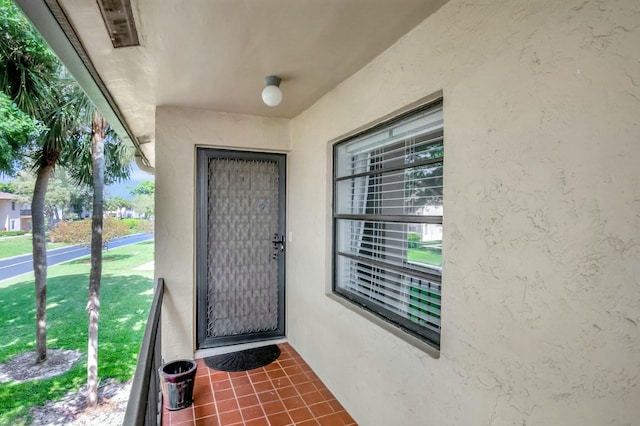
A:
[203, 154]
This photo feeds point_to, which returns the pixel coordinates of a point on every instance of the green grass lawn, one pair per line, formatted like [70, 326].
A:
[15, 246]
[126, 295]
[428, 257]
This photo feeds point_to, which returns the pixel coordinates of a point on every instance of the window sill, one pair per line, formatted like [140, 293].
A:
[393, 329]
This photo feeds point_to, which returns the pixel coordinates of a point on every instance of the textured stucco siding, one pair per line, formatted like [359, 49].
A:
[541, 290]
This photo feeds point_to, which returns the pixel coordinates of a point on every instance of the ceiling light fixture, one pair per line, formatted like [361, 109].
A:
[271, 94]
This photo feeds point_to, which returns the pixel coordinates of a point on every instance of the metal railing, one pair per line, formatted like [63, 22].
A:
[145, 401]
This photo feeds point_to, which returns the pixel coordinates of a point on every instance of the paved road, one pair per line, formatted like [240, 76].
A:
[23, 264]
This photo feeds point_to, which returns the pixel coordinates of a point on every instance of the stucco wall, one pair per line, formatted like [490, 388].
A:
[178, 132]
[541, 290]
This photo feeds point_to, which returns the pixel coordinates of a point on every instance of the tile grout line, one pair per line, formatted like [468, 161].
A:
[257, 393]
[235, 396]
[324, 400]
[297, 363]
[210, 389]
[295, 386]
[213, 395]
[244, 421]
[286, 409]
[275, 391]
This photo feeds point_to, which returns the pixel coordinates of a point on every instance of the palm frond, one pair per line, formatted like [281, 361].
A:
[27, 65]
[117, 159]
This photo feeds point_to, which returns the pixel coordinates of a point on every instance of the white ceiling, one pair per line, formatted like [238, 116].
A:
[214, 54]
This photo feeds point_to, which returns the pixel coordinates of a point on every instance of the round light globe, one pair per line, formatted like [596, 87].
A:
[272, 96]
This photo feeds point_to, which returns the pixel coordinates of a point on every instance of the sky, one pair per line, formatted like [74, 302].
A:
[123, 189]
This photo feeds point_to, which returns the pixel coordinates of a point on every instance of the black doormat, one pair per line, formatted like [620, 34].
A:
[244, 360]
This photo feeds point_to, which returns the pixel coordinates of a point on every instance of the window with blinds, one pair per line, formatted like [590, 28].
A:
[387, 221]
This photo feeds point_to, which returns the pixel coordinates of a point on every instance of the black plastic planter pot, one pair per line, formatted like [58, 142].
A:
[177, 383]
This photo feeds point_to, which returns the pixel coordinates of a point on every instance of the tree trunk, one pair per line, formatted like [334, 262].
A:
[93, 306]
[40, 255]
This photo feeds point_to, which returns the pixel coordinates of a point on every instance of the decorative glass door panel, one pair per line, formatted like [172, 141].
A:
[240, 247]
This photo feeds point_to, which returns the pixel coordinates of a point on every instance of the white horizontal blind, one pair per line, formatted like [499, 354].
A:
[388, 221]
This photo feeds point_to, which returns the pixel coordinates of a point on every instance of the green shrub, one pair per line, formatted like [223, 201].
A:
[130, 222]
[12, 233]
[413, 240]
[138, 225]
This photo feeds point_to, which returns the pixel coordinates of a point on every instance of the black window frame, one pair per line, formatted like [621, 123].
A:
[428, 336]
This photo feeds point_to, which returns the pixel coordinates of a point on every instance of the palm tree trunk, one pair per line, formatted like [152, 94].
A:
[93, 307]
[40, 258]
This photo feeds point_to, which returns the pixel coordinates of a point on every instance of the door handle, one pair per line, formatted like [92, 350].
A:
[278, 244]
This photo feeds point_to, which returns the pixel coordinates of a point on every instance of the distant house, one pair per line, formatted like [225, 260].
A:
[25, 217]
[123, 213]
[9, 212]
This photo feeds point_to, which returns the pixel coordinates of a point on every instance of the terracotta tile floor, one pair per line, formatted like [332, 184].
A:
[285, 392]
